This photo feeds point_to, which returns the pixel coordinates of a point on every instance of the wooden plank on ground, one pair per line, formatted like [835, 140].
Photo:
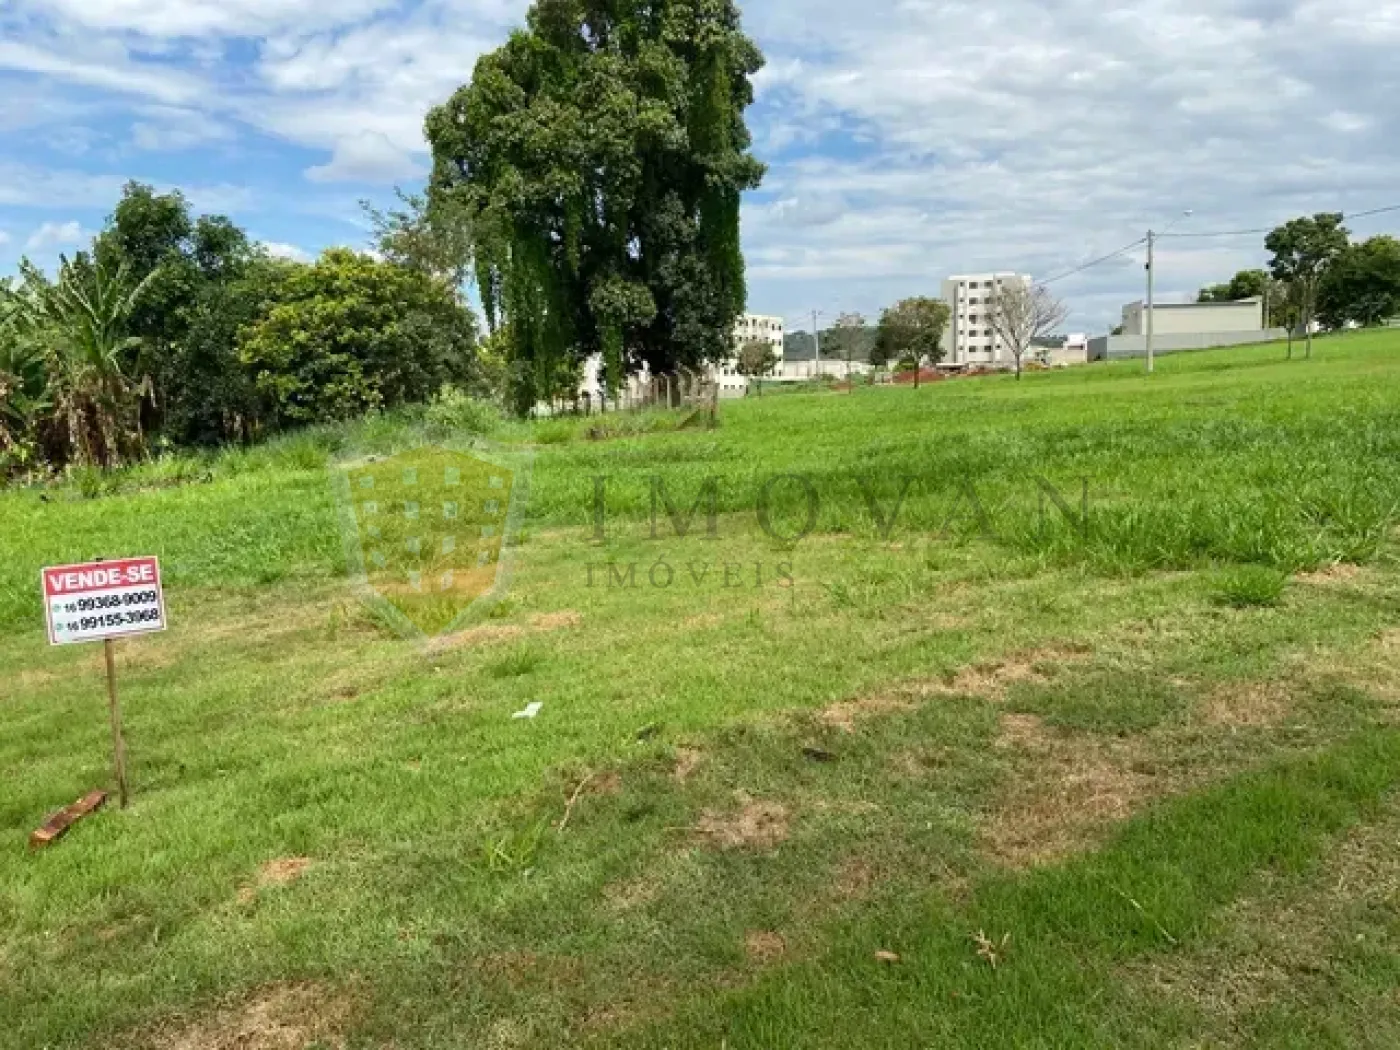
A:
[58, 824]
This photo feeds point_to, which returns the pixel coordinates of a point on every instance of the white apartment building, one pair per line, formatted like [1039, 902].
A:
[970, 340]
[748, 328]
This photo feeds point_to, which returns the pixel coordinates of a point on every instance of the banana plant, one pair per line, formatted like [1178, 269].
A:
[81, 323]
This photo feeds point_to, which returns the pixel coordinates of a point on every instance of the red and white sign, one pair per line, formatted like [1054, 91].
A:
[105, 599]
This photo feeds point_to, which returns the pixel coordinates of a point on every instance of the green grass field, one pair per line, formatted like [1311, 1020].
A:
[982, 772]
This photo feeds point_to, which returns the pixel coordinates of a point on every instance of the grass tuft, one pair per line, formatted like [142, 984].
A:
[1249, 587]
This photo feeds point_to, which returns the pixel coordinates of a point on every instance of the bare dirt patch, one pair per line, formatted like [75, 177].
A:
[1243, 705]
[846, 715]
[1063, 792]
[556, 621]
[991, 679]
[1331, 575]
[756, 825]
[522, 969]
[632, 893]
[282, 1017]
[764, 947]
[688, 760]
[280, 872]
[494, 633]
[988, 680]
[609, 783]
[855, 879]
[486, 634]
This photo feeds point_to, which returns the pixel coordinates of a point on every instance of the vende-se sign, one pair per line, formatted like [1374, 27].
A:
[103, 600]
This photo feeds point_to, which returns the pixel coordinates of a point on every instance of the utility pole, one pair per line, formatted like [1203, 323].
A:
[1151, 297]
[816, 347]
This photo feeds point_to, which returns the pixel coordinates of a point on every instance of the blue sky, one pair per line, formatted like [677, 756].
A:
[906, 139]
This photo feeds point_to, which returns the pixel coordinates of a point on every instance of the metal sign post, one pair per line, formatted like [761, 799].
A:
[114, 711]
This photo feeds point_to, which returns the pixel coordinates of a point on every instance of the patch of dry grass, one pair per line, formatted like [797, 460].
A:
[280, 872]
[756, 824]
[1280, 945]
[1063, 791]
[280, 1017]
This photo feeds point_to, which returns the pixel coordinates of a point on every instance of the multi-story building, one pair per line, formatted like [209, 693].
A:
[970, 340]
[749, 328]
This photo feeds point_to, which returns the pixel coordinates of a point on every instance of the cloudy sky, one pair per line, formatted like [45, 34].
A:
[907, 139]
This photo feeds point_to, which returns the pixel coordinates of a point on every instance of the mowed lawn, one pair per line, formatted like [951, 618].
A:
[909, 752]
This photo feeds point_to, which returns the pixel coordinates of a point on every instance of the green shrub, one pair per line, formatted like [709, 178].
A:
[1249, 587]
[555, 432]
[454, 410]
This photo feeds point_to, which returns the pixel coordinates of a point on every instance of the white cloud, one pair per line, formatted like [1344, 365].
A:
[366, 157]
[906, 139]
[107, 67]
[278, 250]
[4, 237]
[196, 18]
[171, 128]
[1036, 136]
[22, 185]
[56, 235]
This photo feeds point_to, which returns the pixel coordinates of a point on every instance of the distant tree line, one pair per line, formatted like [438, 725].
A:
[1318, 276]
[910, 333]
[173, 330]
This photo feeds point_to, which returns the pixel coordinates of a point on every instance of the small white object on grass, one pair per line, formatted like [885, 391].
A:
[531, 710]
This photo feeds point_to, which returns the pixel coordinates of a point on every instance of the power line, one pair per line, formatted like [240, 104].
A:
[1373, 211]
[1270, 229]
[1096, 262]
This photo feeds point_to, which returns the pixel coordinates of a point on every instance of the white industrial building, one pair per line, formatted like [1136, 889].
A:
[1245, 315]
[638, 388]
[970, 341]
[1186, 326]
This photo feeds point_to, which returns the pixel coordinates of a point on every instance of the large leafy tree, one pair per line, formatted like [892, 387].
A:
[1362, 285]
[1247, 284]
[351, 334]
[428, 235]
[596, 162]
[1251, 284]
[1303, 249]
[203, 280]
[756, 358]
[912, 330]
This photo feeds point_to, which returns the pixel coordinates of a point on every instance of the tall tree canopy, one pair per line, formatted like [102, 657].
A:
[912, 329]
[1363, 285]
[1303, 249]
[1247, 284]
[597, 161]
